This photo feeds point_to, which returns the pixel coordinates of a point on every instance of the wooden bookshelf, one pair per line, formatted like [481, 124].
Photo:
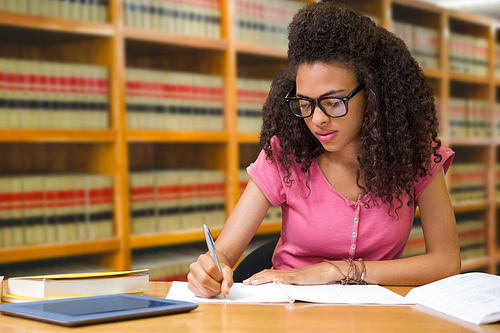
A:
[49, 251]
[49, 135]
[116, 151]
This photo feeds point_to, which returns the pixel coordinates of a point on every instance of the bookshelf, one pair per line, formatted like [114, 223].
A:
[118, 151]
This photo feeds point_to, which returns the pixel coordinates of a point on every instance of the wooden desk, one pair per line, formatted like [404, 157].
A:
[275, 318]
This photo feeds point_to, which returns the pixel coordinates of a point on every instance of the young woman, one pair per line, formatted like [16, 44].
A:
[350, 149]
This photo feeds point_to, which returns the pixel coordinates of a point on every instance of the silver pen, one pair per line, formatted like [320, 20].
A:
[211, 247]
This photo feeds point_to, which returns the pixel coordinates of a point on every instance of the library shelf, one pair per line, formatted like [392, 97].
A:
[468, 141]
[475, 264]
[467, 78]
[471, 206]
[248, 138]
[472, 19]
[57, 135]
[167, 38]
[55, 24]
[180, 136]
[171, 238]
[433, 73]
[190, 236]
[58, 250]
[271, 227]
[260, 50]
[419, 5]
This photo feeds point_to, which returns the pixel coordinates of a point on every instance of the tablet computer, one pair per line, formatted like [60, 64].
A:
[95, 309]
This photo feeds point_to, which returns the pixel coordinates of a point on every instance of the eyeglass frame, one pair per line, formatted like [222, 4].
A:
[317, 102]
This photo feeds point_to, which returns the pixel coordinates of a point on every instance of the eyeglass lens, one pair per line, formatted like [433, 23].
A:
[304, 107]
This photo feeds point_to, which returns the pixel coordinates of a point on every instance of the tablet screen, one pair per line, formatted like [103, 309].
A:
[95, 309]
[83, 306]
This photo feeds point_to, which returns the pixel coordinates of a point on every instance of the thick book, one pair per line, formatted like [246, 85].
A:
[80, 284]
[473, 297]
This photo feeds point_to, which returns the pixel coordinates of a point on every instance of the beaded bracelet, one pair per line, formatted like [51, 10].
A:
[355, 275]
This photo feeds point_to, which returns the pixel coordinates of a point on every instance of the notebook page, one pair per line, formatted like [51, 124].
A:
[349, 294]
[239, 293]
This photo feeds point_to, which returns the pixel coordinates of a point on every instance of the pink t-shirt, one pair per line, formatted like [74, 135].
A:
[323, 224]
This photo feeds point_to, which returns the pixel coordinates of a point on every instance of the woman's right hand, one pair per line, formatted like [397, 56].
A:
[205, 280]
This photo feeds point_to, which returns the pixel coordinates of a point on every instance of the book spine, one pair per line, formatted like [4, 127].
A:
[50, 205]
[80, 207]
[168, 201]
[12, 93]
[252, 94]
[16, 230]
[65, 209]
[99, 203]
[33, 209]
[472, 237]
[143, 202]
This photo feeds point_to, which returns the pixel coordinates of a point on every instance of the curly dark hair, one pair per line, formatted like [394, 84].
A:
[399, 131]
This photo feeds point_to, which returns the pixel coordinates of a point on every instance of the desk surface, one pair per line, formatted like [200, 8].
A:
[275, 318]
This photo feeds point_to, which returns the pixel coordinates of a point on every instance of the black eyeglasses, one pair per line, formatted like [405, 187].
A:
[334, 107]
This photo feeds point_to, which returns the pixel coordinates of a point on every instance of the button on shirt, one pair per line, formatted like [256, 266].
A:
[319, 223]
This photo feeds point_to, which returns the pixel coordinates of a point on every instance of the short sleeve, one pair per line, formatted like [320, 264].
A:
[268, 176]
[447, 157]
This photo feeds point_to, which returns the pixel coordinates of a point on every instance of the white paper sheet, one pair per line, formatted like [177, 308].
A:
[474, 297]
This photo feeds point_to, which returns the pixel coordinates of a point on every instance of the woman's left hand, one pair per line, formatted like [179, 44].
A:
[322, 273]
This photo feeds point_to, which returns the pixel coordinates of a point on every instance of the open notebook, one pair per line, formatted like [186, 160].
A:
[279, 293]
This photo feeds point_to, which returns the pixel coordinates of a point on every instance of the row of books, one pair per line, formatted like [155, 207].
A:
[40, 209]
[470, 118]
[85, 10]
[471, 236]
[191, 17]
[468, 182]
[422, 42]
[252, 94]
[38, 94]
[174, 200]
[171, 264]
[274, 213]
[174, 100]
[264, 21]
[468, 54]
